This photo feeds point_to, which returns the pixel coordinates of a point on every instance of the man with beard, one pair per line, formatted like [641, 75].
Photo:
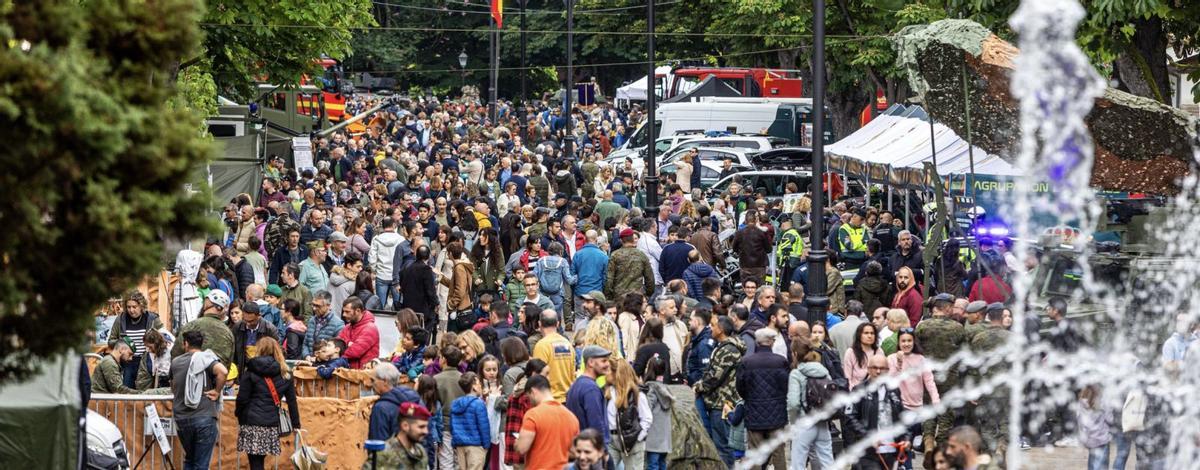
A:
[907, 254]
[964, 450]
[880, 408]
[907, 297]
[407, 448]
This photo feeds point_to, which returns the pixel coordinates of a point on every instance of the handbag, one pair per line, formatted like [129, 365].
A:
[307, 457]
[285, 419]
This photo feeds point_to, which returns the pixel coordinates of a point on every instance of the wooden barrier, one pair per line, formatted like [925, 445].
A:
[337, 427]
[346, 384]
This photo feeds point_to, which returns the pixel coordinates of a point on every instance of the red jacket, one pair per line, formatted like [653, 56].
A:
[911, 302]
[990, 289]
[362, 341]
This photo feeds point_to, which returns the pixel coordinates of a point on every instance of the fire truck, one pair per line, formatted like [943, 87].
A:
[751, 82]
[334, 91]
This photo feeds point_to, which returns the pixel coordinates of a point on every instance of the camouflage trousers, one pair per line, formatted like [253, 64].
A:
[935, 431]
[992, 421]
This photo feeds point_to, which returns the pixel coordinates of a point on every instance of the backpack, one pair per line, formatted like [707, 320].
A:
[819, 392]
[629, 423]
[550, 278]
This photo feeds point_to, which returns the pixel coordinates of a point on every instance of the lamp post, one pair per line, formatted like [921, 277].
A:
[569, 139]
[462, 64]
[651, 179]
[524, 79]
[818, 298]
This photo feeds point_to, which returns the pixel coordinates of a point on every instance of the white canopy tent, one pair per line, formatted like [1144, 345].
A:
[895, 146]
[636, 91]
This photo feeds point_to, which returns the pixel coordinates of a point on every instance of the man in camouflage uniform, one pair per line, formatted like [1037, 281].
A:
[992, 413]
[940, 337]
[628, 269]
[278, 228]
[718, 387]
[974, 316]
[406, 450]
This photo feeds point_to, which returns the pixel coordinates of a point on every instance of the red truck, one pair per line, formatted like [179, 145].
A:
[751, 82]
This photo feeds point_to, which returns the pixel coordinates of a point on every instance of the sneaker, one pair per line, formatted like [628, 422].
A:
[1025, 444]
[1066, 442]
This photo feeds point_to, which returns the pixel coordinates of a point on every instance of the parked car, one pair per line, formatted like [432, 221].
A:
[745, 142]
[710, 171]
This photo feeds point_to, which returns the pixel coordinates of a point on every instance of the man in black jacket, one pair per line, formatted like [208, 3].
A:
[752, 245]
[762, 382]
[247, 333]
[908, 253]
[418, 290]
[879, 409]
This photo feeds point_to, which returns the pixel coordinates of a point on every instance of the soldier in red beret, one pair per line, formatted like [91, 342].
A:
[406, 450]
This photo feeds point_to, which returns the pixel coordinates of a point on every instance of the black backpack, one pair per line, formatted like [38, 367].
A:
[819, 392]
[629, 423]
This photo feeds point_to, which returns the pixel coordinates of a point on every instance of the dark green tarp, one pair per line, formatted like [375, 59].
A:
[39, 418]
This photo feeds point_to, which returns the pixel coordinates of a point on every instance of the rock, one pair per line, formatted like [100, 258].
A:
[1141, 145]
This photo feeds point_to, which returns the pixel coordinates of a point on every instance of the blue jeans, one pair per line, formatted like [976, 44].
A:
[703, 412]
[816, 442]
[1124, 443]
[385, 291]
[1098, 458]
[720, 435]
[656, 461]
[197, 436]
[129, 371]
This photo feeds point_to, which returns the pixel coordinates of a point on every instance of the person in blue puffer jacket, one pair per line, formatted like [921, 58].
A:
[385, 413]
[412, 362]
[695, 274]
[470, 433]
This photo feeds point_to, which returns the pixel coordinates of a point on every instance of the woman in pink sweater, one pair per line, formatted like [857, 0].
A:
[854, 360]
[913, 388]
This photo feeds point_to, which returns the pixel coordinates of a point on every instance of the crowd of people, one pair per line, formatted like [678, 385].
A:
[548, 319]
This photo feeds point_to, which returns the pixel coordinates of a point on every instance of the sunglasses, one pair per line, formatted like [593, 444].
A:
[907, 330]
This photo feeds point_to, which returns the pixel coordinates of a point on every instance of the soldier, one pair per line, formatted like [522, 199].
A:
[628, 269]
[974, 316]
[718, 386]
[940, 337]
[406, 450]
[993, 414]
[277, 229]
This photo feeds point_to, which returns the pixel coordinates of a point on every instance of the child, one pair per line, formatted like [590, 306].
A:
[431, 358]
[329, 357]
[482, 312]
[468, 418]
[489, 377]
[658, 438]
[1095, 427]
[411, 363]
[514, 291]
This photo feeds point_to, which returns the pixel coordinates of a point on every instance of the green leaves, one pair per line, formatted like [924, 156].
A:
[96, 159]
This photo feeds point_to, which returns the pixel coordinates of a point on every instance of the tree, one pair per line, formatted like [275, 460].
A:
[248, 40]
[96, 160]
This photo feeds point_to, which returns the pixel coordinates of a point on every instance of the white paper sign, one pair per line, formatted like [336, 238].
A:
[154, 426]
[302, 153]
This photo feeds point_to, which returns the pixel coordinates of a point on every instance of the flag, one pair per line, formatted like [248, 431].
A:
[498, 13]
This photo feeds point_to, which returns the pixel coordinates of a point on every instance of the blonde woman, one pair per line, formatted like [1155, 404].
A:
[629, 415]
[472, 348]
[601, 332]
[264, 385]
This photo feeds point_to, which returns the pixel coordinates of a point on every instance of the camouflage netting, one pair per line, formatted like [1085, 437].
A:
[1142, 145]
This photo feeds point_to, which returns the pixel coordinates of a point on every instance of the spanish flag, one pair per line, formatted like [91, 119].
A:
[498, 13]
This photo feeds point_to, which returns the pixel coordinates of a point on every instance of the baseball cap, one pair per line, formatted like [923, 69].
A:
[626, 233]
[414, 411]
[316, 244]
[594, 295]
[593, 351]
[338, 237]
[218, 298]
[976, 306]
[275, 290]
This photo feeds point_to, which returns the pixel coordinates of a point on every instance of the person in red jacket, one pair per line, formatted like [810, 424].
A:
[908, 295]
[360, 334]
[991, 287]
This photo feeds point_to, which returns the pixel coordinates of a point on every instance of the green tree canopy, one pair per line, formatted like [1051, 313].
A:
[96, 162]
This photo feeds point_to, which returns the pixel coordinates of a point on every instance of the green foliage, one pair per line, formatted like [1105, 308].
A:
[278, 39]
[95, 163]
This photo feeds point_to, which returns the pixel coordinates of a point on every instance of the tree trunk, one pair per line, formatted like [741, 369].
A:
[1142, 68]
[845, 106]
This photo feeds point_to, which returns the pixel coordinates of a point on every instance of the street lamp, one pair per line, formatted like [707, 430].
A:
[462, 64]
[569, 139]
[818, 298]
[651, 176]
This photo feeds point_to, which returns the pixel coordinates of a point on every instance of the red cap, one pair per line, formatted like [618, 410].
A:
[414, 411]
[627, 233]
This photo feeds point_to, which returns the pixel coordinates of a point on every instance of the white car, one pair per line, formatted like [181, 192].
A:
[663, 144]
[749, 143]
